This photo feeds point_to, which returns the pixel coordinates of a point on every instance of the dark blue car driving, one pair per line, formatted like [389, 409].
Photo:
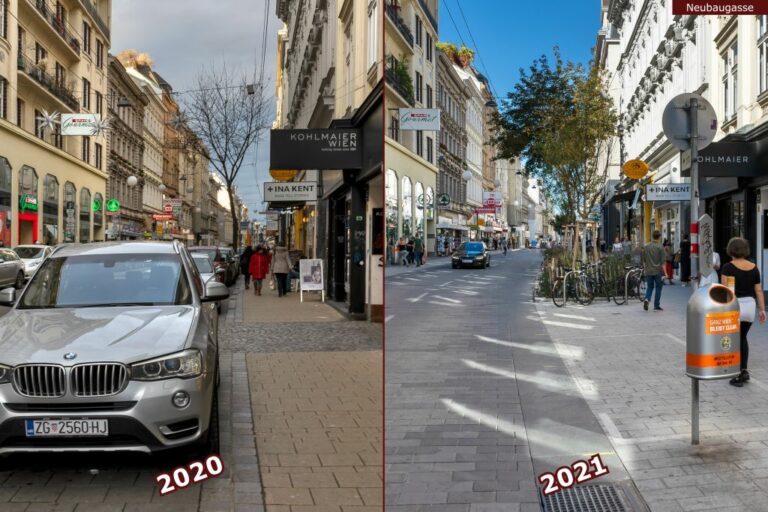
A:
[471, 254]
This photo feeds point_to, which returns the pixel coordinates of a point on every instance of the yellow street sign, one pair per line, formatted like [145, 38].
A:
[283, 175]
[635, 169]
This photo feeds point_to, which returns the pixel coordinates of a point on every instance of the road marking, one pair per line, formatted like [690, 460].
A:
[442, 303]
[390, 317]
[575, 317]
[675, 338]
[569, 351]
[445, 284]
[417, 299]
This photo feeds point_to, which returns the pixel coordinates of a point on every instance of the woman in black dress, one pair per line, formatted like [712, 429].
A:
[748, 291]
[685, 260]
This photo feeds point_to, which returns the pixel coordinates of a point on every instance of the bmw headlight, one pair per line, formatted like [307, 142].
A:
[181, 365]
[5, 374]
[479, 257]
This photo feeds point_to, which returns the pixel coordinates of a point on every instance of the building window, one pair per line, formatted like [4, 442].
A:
[419, 30]
[39, 130]
[430, 45]
[85, 216]
[430, 150]
[86, 38]
[86, 94]
[429, 96]
[5, 200]
[730, 81]
[419, 85]
[22, 41]
[40, 53]
[373, 32]
[19, 112]
[70, 218]
[97, 155]
[419, 143]
[99, 54]
[390, 192]
[394, 128]
[3, 96]
[86, 153]
[59, 75]
[99, 102]
[348, 78]
[407, 208]
[4, 19]
[50, 210]
[762, 44]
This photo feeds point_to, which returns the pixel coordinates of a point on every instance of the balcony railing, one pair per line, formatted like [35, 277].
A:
[37, 74]
[431, 18]
[399, 22]
[398, 77]
[58, 25]
[93, 13]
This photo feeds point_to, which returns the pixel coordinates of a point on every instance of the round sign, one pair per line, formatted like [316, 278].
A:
[283, 175]
[676, 122]
[97, 205]
[635, 169]
[113, 205]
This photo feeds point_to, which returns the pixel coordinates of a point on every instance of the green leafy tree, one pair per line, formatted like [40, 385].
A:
[559, 119]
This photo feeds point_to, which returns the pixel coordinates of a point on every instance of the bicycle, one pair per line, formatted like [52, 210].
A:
[597, 281]
[632, 284]
[573, 284]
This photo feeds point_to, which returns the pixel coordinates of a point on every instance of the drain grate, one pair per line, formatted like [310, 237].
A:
[588, 498]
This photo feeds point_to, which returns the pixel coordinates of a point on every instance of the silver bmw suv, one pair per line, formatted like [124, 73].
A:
[111, 347]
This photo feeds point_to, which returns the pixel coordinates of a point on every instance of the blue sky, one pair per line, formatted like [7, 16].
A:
[512, 33]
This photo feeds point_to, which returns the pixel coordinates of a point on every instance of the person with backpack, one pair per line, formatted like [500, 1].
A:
[245, 262]
[258, 268]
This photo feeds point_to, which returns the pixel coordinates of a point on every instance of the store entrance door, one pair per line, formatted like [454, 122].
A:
[27, 228]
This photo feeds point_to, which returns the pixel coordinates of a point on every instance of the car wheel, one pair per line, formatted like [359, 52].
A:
[453, 265]
[19, 284]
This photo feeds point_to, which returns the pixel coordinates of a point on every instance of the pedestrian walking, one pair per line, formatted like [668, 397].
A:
[418, 250]
[617, 248]
[447, 247]
[280, 267]
[245, 261]
[402, 252]
[410, 246]
[258, 268]
[685, 260]
[669, 261]
[504, 246]
[653, 258]
[749, 292]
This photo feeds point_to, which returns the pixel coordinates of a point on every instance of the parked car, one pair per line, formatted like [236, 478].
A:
[474, 254]
[11, 269]
[111, 347]
[207, 272]
[32, 256]
[217, 257]
[233, 261]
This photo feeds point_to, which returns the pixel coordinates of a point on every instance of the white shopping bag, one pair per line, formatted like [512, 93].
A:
[747, 308]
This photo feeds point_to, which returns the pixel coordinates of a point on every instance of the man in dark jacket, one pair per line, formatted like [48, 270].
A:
[653, 258]
[245, 260]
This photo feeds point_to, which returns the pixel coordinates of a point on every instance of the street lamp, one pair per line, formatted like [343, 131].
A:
[132, 181]
[466, 175]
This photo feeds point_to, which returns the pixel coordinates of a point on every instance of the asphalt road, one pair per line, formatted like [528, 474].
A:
[478, 400]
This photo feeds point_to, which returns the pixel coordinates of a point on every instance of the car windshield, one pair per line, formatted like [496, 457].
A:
[211, 253]
[97, 280]
[203, 265]
[471, 246]
[29, 252]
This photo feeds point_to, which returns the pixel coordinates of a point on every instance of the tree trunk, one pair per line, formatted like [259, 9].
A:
[235, 220]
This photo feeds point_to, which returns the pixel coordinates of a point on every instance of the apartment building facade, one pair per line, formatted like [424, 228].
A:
[54, 61]
[411, 30]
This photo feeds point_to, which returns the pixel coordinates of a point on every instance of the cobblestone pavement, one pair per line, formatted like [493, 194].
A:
[318, 420]
[630, 367]
[302, 337]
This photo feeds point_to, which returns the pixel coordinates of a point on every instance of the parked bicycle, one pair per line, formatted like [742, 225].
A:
[573, 285]
[630, 285]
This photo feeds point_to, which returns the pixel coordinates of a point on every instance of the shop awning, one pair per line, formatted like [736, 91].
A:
[457, 227]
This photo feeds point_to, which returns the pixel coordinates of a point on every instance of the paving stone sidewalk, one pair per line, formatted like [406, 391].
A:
[630, 367]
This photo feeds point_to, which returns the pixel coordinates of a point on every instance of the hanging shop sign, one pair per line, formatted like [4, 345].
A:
[283, 174]
[162, 216]
[113, 205]
[297, 191]
[443, 200]
[668, 192]
[635, 169]
[725, 159]
[97, 205]
[27, 203]
[420, 119]
[80, 124]
[486, 209]
[492, 199]
[337, 148]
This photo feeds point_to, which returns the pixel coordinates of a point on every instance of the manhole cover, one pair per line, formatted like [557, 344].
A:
[592, 498]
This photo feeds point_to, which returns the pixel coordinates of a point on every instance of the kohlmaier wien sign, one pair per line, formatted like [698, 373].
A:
[338, 148]
[281, 192]
[724, 159]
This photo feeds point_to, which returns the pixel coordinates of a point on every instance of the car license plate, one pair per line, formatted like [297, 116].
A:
[467, 260]
[67, 427]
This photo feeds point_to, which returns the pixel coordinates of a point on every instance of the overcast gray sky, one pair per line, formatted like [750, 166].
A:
[182, 36]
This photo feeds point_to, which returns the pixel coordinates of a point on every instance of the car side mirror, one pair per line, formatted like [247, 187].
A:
[8, 297]
[221, 271]
[214, 291]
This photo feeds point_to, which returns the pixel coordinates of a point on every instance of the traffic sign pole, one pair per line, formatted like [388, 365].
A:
[693, 112]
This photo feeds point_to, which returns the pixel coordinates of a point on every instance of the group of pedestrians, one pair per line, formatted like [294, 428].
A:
[410, 251]
[748, 285]
[261, 263]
